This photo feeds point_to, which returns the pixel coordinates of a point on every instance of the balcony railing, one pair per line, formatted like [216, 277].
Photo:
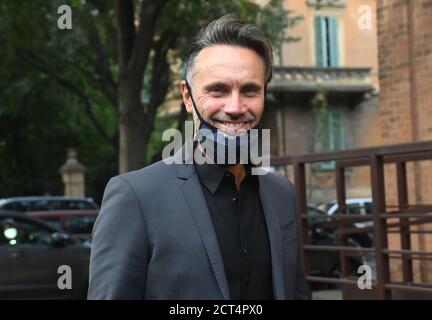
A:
[309, 79]
[326, 3]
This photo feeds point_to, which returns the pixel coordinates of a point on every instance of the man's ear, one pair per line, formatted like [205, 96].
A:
[186, 96]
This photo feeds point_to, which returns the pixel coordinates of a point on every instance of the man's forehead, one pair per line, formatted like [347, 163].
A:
[223, 60]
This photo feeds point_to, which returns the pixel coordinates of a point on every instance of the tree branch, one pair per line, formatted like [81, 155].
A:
[101, 64]
[125, 32]
[159, 77]
[37, 63]
[150, 10]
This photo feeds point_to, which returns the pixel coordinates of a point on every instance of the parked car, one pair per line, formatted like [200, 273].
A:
[353, 205]
[77, 223]
[327, 263]
[31, 253]
[47, 203]
[362, 206]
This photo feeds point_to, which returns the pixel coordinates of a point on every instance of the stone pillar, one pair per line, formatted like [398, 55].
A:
[72, 173]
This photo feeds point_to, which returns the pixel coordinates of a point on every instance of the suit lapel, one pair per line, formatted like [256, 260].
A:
[273, 227]
[194, 196]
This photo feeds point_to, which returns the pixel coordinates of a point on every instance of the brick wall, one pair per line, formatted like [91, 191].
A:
[405, 74]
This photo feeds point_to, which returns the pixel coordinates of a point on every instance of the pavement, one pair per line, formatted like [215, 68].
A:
[327, 295]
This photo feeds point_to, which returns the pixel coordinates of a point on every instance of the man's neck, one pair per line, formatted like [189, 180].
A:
[239, 172]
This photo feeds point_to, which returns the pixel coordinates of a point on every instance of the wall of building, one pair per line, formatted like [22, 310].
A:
[359, 46]
[405, 59]
[399, 50]
[361, 129]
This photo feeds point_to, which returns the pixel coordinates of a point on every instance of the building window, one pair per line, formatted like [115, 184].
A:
[327, 41]
[333, 135]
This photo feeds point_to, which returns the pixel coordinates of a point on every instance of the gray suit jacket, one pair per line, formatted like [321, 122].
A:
[154, 238]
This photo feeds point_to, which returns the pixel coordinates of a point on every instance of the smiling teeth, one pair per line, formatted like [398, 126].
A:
[234, 125]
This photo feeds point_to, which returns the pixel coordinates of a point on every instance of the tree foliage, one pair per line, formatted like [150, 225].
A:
[72, 88]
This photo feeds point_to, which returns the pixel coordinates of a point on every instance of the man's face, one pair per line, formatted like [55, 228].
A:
[227, 87]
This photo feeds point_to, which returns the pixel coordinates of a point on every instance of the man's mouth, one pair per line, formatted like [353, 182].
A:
[232, 125]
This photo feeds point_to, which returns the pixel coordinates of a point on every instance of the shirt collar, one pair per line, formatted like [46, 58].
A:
[211, 175]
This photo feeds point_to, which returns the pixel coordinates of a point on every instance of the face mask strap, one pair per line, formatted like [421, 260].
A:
[193, 102]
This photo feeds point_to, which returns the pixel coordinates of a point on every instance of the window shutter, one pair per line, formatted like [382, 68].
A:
[334, 41]
[333, 136]
[320, 41]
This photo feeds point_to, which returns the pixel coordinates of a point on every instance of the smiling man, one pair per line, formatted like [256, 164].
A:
[212, 230]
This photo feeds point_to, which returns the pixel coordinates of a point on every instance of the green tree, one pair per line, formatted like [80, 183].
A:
[104, 80]
[37, 124]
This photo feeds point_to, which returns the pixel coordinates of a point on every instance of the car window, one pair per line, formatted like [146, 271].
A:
[52, 221]
[20, 206]
[40, 205]
[48, 205]
[79, 224]
[360, 208]
[15, 231]
[78, 205]
[354, 208]
[368, 207]
[52, 205]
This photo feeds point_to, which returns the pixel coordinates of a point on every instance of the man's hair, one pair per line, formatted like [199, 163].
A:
[231, 30]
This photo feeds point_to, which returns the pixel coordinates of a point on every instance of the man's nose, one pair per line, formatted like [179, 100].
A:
[234, 105]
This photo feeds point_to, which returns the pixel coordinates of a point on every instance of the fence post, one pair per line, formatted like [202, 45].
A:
[407, 267]
[341, 199]
[380, 225]
[300, 186]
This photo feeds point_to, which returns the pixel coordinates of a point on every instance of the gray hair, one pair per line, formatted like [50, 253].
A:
[231, 30]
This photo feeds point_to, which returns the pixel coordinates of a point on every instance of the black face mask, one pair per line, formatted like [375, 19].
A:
[233, 144]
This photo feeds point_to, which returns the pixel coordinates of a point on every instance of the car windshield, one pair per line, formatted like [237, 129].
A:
[315, 211]
[359, 208]
[328, 206]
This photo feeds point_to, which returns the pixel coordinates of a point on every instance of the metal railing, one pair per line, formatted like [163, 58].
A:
[404, 213]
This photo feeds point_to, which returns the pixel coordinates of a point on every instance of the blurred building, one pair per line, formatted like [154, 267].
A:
[360, 76]
[405, 60]
[324, 93]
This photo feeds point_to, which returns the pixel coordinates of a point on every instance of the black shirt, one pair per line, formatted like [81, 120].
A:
[241, 231]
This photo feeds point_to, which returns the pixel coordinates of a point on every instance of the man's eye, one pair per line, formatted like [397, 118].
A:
[251, 92]
[217, 91]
